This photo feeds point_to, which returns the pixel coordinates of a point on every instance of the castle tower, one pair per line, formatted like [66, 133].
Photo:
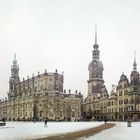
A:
[95, 82]
[14, 79]
[134, 77]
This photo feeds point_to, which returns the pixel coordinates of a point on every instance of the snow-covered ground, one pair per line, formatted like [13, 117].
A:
[24, 130]
[119, 132]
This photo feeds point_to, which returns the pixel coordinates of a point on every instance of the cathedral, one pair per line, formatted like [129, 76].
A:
[39, 97]
[122, 104]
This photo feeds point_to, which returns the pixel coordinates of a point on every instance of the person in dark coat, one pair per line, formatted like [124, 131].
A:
[105, 120]
[34, 120]
[46, 120]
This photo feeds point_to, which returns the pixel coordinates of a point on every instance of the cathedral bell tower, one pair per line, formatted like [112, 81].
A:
[95, 82]
[14, 79]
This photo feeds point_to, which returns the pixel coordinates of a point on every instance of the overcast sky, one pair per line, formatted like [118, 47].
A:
[59, 34]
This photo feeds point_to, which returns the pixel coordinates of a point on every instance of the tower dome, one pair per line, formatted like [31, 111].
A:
[95, 69]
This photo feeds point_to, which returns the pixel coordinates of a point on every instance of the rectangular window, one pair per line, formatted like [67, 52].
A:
[120, 93]
[40, 113]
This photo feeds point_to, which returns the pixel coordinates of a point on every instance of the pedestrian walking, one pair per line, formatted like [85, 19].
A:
[34, 120]
[46, 120]
[105, 120]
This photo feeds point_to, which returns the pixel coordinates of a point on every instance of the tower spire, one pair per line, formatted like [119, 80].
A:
[96, 46]
[14, 79]
[135, 64]
[95, 33]
[14, 56]
[14, 61]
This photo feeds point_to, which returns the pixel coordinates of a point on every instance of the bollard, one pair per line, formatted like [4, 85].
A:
[129, 124]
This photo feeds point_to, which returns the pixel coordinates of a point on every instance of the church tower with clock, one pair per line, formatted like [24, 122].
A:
[95, 82]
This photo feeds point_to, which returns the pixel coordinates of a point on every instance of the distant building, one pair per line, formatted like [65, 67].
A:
[124, 100]
[39, 97]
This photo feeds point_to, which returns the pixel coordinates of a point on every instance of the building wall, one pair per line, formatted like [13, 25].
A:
[121, 105]
[40, 97]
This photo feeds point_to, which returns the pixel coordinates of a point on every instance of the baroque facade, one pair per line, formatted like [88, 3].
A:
[124, 101]
[39, 97]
